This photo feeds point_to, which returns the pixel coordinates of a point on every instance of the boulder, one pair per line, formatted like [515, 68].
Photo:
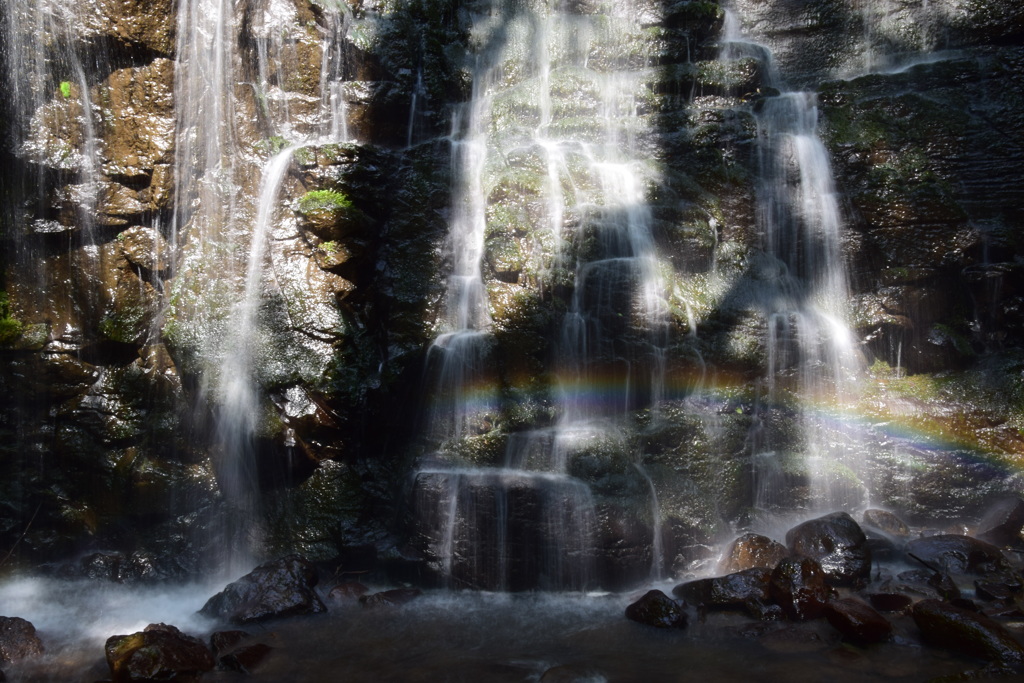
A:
[278, 588]
[857, 621]
[798, 585]
[956, 554]
[837, 543]
[1002, 523]
[753, 550]
[158, 653]
[18, 640]
[727, 592]
[967, 632]
[657, 609]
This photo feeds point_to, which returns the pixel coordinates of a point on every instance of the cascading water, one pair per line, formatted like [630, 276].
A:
[812, 360]
[609, 357]
[224, 297]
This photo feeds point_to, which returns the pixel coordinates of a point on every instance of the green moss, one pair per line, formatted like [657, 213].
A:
[323, 200]
[10, 328]
[330, 247]
[65, 89]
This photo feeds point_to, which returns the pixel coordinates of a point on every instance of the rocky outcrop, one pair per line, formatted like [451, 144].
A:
[837, 543]
[275, 589]
[18, 640]
[657, 609]
[158, 653]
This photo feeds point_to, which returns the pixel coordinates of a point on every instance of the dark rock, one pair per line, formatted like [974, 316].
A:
[726, 592]
[1002, 523]
[657, 609]
[990, 590]
[753, 550]
[223, 642]
[857, 621]
[798, 586]
[958, 554]
[159, 653]
[18, 640]
[890, 602]
[966, 632]
[883, 520]
[391, 598]
[279, 588]
[764, 611]
[965, 604]
[232, 652]
[347, 591]
[246, 658]
[837, 543]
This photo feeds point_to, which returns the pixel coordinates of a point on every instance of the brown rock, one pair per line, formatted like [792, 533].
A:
[857, 621]
[18, 640]
[753, 550]
[890, 602]
[160, 652]
[798, 586]
[837, 543]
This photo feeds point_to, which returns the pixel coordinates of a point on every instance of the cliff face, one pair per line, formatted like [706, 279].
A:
[139, 151]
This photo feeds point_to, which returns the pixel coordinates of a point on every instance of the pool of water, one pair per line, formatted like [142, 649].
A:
[467, 637]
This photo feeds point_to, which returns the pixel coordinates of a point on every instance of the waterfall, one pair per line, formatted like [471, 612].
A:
[812, 359]
[227, 291]
[609, 359]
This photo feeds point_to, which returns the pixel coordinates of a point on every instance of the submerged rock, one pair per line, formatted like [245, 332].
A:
[967, 632]
[798, 586]
[837, 543]
[279, 588]
[857, 621]
[753, 550]
[18, 640]
[657, 609]
[958, 554]
[159, 653]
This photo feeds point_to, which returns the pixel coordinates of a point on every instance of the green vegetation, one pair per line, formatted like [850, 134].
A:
[10, 328]
[323, 200]
[65, 89]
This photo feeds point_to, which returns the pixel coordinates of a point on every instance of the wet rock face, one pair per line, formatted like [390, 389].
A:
[276, 589]
[657, 609]
[959, 554]
[753, 550]
[798, 585]
[18, 640]
[158, 653]
[733, 591]
[966, 632]
[837, 543]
